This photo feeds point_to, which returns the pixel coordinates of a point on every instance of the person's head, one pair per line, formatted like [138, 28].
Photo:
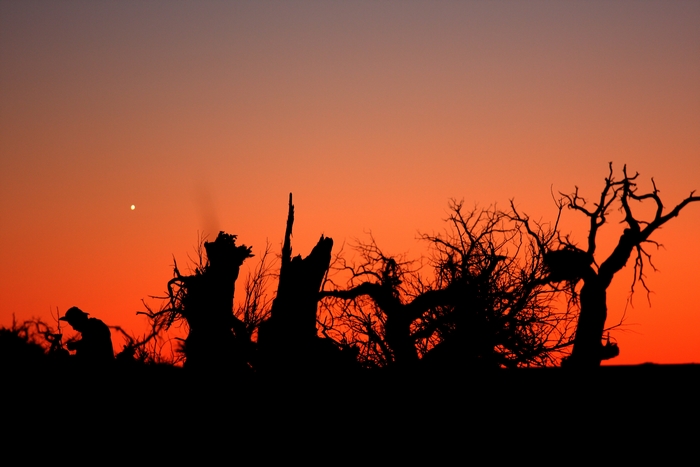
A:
[75, 317]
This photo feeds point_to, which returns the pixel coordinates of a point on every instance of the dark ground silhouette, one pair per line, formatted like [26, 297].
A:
[478, 339]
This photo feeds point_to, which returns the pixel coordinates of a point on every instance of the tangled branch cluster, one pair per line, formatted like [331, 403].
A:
[480, 297]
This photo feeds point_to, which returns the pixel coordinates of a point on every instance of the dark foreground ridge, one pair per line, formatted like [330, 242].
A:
[475, 336]
[638, 397]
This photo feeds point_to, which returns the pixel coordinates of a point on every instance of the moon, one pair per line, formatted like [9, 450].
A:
[133, 207]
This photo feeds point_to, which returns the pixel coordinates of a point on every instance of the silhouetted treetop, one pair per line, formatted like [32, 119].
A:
[484, 303]
[488, 295]
[573, 264]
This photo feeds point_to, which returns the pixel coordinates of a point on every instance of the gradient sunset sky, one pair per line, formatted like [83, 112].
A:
[206, 115]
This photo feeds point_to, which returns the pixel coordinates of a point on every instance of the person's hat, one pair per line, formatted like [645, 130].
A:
[74, 314]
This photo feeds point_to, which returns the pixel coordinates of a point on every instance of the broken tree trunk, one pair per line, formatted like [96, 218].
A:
[206, 302]
[288, 340]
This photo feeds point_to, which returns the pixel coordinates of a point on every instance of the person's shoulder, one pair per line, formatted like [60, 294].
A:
[97, 324]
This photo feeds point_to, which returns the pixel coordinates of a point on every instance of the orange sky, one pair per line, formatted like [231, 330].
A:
[206, 115]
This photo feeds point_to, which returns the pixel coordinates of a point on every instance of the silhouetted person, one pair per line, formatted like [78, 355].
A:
[95, 346]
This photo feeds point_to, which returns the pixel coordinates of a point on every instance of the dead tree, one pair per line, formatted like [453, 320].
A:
[484, 304]
[216, 338]
[289, 339]
[398, 344]
[573, 264]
